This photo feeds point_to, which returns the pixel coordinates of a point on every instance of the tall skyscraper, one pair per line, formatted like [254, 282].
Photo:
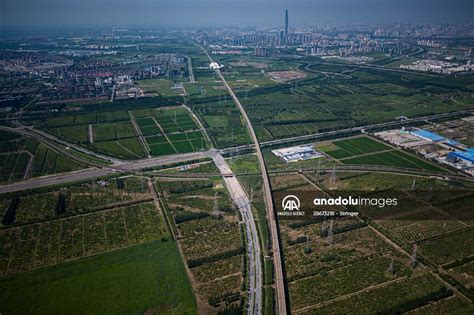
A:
[286, 22]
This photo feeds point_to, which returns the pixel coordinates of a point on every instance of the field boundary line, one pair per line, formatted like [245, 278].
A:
[346, 296]
[138, 132]
[164, 134]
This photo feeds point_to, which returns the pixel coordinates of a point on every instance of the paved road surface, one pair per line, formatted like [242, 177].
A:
[97, 172]
[55, 180]
[277, 260]
[242, 202]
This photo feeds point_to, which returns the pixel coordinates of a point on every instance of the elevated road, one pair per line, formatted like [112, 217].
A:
[91, 173]
[60, 145]
[277, 260]
[242, 202]
[385, 125]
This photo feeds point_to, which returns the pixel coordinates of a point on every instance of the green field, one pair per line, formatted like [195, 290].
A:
[351, 147]
[169, 131]
[344, 96]
[366, 151]
[165, 130]
[162, 87]
[16, 152]
[127, 281]
[394, 158]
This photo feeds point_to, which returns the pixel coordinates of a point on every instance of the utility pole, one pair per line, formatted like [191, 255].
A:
[413, 256]
[318, 168]
[390, 267]
[329, 238]
[333, 175]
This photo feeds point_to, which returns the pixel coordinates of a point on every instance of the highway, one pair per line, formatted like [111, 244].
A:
[242, 202]
[55, 179]
[106, 170]
[384, 125]
[277, 260]
[122, 166]
[60, 145]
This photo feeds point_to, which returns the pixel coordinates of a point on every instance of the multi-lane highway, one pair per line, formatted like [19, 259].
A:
[106, 170]
[277, 260]
[242, 202]
[237, 193]
[385, 125]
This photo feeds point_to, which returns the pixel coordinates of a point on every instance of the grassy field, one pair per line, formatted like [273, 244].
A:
[366, 151]
[244, 164]
[169, 130]
[17, 152]
[162, 87]
[394, 158]
[132, 280]
[353, 147]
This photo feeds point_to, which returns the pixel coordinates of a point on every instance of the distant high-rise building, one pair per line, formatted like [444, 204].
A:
[282, 37]
[286, 23]
[261, 52]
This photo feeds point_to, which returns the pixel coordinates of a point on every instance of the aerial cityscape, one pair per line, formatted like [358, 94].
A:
[237, 157]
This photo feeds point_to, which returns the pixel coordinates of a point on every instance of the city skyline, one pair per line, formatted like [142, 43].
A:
[27, 14]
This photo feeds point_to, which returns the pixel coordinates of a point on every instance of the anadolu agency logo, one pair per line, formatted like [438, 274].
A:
[291, 206]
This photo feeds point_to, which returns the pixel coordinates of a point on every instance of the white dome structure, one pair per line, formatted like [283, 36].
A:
[214, 65]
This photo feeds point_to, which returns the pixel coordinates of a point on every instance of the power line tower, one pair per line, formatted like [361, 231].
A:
[413, 185]
[307, 247]
[390, 267]
[215, 210]
[318, 168]
[323, 226]
[329, 238]
[413, 256]
[251, 194]
[333, 174]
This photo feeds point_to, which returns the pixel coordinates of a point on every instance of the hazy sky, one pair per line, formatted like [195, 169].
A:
[71, 13]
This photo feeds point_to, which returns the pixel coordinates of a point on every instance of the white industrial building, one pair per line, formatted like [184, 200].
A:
[298, 153]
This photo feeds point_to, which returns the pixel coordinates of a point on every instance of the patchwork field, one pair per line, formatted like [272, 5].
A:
[364, 265]
[107, 132]
[169, 131]
[22, 158]
[206, 226]
[83, 236]
[223, 122]
[48, 227]
[335, 96]
[366, 151]
[131, 134]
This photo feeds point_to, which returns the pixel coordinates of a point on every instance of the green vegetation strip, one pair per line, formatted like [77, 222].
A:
[126, 281]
